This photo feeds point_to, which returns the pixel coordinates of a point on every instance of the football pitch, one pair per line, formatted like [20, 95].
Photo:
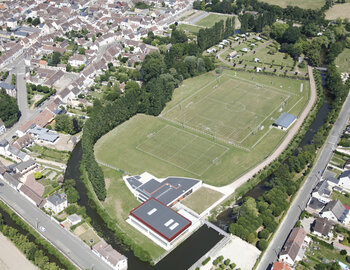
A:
[182, 149]
[215, 128]
[230, 109]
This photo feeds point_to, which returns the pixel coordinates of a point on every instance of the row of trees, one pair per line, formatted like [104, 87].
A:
[9, 111]
[293, 13]
[211, 36]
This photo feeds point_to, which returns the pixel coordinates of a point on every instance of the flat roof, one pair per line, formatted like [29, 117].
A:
[285, 120]
[168, 190]
[161, 219]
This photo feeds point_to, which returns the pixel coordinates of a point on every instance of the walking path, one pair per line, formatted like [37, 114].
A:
[229, 189]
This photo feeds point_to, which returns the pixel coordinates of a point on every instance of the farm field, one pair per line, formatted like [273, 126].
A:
[338, 11]
[213, 129]
[313, 4]
[343, 60]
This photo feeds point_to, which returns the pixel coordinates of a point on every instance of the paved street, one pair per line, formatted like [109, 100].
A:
[63, 240]
[303, 195]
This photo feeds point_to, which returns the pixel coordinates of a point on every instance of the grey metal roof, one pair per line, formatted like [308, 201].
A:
[337, 208]
[322, 188]
[7, 86]
[168, 190]
[11, 179]
[316, 204]
[74, 218]
[44, 134]
[3, 143]
[25, 164]
[134, 182]
[18, 153]
[161, 219]
[344, 174]
[285, 120]
[56, 199]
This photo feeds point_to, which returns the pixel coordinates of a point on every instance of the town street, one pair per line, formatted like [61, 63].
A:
[303, 196]
[63, 240]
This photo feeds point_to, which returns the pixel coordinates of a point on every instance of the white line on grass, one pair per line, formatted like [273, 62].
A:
[295, 104]
[261, 138]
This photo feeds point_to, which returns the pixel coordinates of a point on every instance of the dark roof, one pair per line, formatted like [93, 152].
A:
[161, 219]
[24, 165]
[322, 226]
[56, 199]
[285, 120]
[337, 208]
[7, 86]
[168, 190]
[134, 182]
[344, 174]
[11, 179]
[3, 143]
[322, 188]
[315, 204]
[332, 179]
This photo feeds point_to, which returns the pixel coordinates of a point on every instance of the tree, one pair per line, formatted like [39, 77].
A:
[278, 29]
[68, 67]
[36, 21]
[262, 244]
[71, 125]
[38, 175]
[9, 111]
[152, 66]
[291, 35]
[81, 51]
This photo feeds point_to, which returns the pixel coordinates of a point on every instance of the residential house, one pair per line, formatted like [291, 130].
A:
[32, 196]
[294, 248]
[322, 192]
[25, 166]
[335, 211]
[4, 144]
[12, 180]
[56, 203]
[112, 257]
[344, 180]
[2, 127]
[43, 134]
[77, 60]
[280, 266]
[322, 227]
[43, 119]
[16, 154]
[9, 88]
[24, 141]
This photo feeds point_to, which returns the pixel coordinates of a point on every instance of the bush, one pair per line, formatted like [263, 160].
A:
[206, 261]
[343, 252]
[262, 244]
[264, 234]
[38, 175]
[71, 209]
[227, 261]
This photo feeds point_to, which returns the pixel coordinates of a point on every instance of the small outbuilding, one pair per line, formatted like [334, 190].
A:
[284, 121]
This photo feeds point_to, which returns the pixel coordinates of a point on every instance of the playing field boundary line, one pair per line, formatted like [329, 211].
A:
[272, 88]
[183, 147]
[207, 134]
[266, 118]
[199, 90]
[201, 155]
[296, 104]
[261, 138]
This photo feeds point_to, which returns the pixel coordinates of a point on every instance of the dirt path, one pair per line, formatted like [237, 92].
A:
[229, 189]
[11, 258]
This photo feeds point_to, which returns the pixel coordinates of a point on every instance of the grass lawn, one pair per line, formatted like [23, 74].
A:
[313, 4]
[201, 199]
[119, 202]
[190, 28]
[343, 59]
[90, 237]
[341, 197]
[50, 154]
[219, 142]
[211, 19]
[338, 11]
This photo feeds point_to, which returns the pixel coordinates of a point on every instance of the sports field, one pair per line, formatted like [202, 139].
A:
[211, 19]
[215, 128]
[313, 4]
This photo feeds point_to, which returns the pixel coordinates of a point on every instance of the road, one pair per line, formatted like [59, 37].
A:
[18, 68]
[62, 239]
[304, 193]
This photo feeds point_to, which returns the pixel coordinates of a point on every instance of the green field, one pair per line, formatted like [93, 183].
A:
[338, 11]
[191, 28]
[201, 199]
[343, 61]
[218, 142]
[211, 19]
[313, 4]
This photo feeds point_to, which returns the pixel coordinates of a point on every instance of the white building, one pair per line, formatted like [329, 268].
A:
[56, 203]
[335, 211]
[344, 181]
[112, 257]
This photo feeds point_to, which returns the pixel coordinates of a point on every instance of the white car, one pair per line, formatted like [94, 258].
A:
[41, 228]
